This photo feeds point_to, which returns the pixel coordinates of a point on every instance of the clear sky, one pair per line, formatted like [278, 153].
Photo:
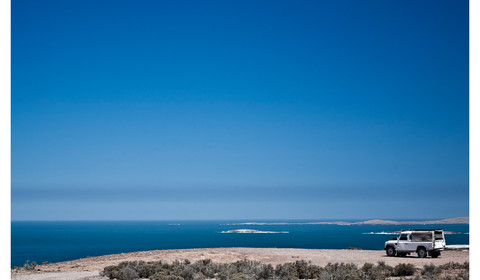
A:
[130, 110]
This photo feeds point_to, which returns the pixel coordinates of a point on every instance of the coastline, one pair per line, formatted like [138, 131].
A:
[89, 268]
[450, 221]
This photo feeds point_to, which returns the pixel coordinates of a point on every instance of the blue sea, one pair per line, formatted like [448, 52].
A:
[61, 241]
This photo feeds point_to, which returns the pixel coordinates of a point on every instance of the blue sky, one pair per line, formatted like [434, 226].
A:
[239, 110]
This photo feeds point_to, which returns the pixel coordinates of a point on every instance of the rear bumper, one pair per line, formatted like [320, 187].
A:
[438, 249]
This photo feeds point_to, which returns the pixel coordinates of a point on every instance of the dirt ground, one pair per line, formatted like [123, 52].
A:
[89, 268]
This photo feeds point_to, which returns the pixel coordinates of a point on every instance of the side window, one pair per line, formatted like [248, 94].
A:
[404, 236]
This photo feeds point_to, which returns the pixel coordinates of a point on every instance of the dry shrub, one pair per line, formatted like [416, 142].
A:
[404, 269]
[248, 270]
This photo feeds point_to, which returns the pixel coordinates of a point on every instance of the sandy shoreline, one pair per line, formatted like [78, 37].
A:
[88, 268]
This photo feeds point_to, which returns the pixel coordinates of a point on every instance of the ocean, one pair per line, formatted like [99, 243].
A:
[62, 241]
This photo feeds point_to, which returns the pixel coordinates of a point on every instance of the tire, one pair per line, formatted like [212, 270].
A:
[421, 252]
[434, 254]
[390, 251]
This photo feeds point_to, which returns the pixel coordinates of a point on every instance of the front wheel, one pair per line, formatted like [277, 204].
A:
[390, 252]
[422, 253]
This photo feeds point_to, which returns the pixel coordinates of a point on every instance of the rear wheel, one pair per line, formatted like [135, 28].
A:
[422, 253]
[390, 251]
[434, 254]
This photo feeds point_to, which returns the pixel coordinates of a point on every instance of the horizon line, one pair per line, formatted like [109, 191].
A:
[261, 219]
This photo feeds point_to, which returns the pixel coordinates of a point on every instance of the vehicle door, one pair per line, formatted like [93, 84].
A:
[439, 239]
[403, 242]
[412, 243]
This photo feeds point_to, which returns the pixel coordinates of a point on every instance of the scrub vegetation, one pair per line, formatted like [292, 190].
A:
[249, 270]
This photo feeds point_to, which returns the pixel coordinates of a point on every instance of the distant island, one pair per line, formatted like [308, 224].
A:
[450, 221]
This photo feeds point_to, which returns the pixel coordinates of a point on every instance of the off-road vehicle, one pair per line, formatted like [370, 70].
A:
[422, 241]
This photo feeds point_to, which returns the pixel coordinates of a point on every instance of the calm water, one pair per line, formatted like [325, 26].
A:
[60, 241]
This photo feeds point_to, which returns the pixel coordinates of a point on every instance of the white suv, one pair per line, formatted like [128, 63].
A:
[424, 242]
